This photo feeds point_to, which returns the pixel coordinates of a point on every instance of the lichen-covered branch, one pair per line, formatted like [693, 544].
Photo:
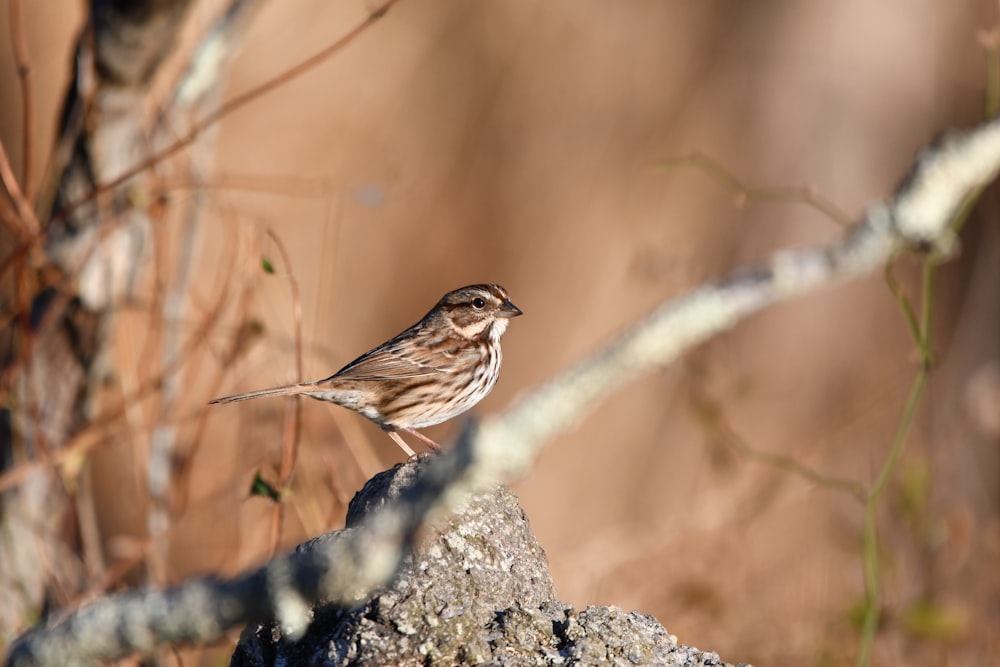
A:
[917, 215]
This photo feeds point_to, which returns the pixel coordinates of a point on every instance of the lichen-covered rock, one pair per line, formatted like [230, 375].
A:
[557, 634]
[476, 592]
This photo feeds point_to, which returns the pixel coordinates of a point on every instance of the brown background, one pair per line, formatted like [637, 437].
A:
[518, 142]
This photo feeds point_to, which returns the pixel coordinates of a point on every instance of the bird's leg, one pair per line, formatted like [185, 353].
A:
[398, 439]
[427, 441]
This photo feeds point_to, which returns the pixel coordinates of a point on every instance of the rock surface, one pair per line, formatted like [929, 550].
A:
[476, 592]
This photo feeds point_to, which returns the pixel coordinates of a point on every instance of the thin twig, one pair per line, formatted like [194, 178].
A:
[291, 426]
[85, 440]
[727, 179]
[909, 315]
[990, 41]
[182, 478]
[164, 441]
[22, 58]
[870, 550]
[920, 330]
[710, 413]
[27, 228]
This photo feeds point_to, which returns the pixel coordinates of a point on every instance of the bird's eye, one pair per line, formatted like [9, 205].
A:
[478, 303]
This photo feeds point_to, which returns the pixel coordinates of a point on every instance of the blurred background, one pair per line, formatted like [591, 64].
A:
[523, 143]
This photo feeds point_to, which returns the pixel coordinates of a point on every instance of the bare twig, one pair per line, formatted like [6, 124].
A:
[238, 343]
[27, 227]
[87, 439]
[710, 413]
[727, 179]
[293, 405]
[23, 59]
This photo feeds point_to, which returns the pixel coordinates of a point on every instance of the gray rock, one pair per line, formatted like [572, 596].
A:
[476, 592]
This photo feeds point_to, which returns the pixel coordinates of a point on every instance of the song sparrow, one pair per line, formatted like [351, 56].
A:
[435, 370]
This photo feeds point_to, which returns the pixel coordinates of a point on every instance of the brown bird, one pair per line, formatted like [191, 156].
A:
[435, 370]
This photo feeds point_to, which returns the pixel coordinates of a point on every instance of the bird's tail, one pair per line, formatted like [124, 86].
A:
[284, 390]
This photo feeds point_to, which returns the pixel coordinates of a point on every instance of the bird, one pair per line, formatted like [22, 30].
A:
[433, 371]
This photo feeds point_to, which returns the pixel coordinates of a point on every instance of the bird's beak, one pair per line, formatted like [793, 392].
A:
[507, 309]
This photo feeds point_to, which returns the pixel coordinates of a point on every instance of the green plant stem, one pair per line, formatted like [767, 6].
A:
[912, 322]
[992, 81]
[921, 330]
[870, 541]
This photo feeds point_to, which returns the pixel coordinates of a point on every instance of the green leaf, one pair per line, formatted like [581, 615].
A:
[261, 487]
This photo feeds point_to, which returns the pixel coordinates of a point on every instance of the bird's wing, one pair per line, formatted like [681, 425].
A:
[398, 360]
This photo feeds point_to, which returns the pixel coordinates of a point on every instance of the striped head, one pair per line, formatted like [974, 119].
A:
[476, 312]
